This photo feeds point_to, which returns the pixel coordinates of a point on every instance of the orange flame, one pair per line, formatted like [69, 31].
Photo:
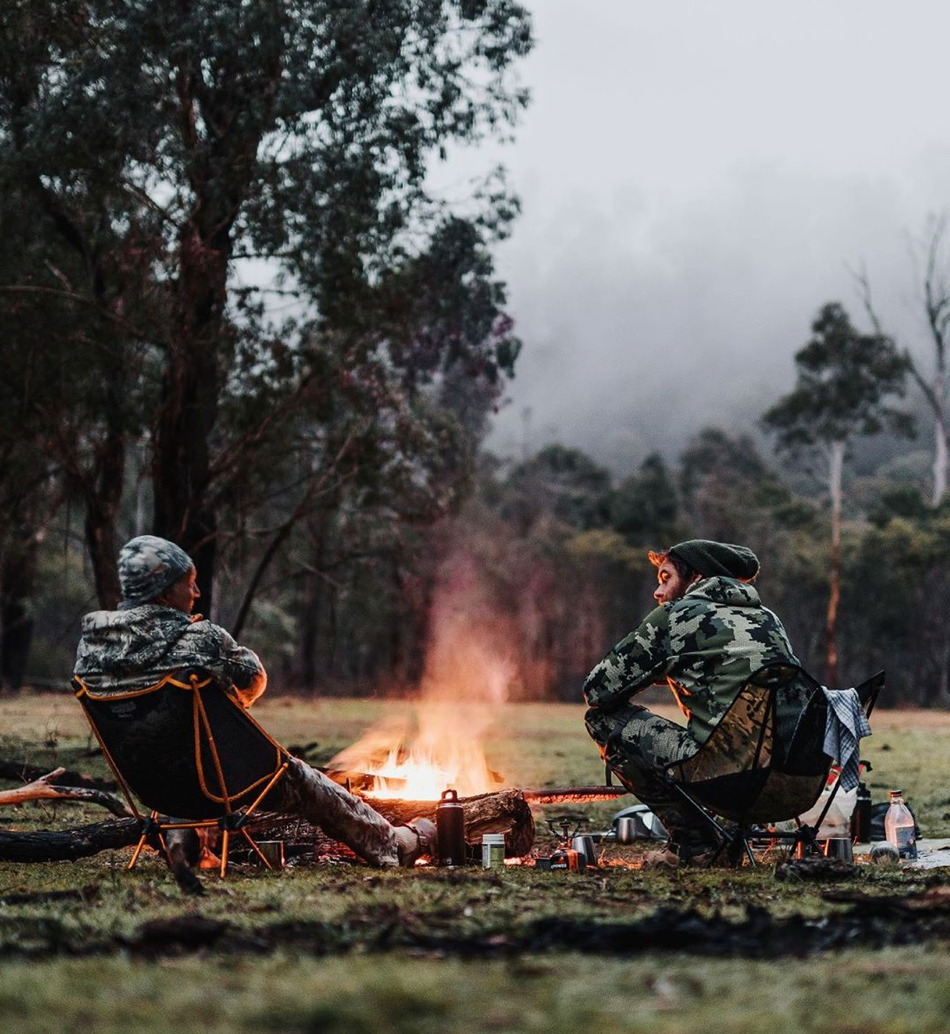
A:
[466, 680]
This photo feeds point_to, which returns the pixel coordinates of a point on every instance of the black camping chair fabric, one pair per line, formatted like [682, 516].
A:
[765, 761]
[186, 749]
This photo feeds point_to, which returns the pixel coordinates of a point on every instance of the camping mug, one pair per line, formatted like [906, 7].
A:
[273, 851]
[626, 830]
[584, 845]
[840, 848]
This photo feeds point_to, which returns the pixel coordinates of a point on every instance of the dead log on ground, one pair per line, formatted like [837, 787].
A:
[68, 844]
[20, 770]
[48, 788]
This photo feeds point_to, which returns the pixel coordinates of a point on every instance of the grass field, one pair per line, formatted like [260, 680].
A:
[347, 959]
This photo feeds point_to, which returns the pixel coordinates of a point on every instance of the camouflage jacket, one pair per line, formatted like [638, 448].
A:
[704, 646]
[121, 650]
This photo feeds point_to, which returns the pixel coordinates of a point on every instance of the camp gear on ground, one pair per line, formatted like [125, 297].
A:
[845, 726]
[899, 827]
[450, 823]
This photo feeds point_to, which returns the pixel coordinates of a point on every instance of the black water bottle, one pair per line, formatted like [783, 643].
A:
[861, 816]
[450, 825]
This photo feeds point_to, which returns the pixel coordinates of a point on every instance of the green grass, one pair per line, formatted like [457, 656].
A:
[890, 991]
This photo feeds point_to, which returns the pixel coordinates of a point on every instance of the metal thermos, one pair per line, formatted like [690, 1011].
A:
[450, 826]
[861, 816]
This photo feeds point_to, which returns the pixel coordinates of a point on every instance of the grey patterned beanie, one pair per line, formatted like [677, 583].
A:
[148, 566]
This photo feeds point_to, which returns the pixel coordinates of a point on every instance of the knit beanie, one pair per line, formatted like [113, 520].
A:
[717, 558]
[148, 566]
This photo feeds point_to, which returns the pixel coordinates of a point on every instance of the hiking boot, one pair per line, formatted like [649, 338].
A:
[422, 840]
[675, 856]
[660, 858]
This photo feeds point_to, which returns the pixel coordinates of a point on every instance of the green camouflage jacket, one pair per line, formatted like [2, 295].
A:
[122, 650]
[704, 646]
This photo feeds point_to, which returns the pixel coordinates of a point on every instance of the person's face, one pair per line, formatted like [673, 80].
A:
[672, 585]
[183, 593]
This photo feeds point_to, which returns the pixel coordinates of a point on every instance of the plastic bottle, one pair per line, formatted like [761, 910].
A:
[899, 827]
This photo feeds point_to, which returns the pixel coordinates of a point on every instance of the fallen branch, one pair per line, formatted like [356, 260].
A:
[47, 787]
[86, 894]
[68, 844]
[574, 794]
[20, 770]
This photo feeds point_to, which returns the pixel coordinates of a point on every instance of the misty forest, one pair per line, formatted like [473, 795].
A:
[235, 314]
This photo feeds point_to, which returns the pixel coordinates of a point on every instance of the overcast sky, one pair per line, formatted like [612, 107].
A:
[697, 179]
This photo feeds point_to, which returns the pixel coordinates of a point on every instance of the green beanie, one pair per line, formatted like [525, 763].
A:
[717, 558]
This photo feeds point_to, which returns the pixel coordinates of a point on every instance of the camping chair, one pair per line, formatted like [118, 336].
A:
[765, 761]
[187, 749]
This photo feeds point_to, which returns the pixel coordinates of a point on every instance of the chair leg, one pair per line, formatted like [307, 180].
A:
[260, 854]
[225, 838]
[137, 851]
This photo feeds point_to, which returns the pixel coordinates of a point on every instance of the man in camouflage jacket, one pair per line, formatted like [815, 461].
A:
[153, 632]
[707, 636]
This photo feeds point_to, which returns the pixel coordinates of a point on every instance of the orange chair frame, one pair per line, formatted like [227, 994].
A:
[153, 824]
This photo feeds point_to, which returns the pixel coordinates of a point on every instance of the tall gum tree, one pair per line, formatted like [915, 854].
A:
[845, 383]
[934, 254]
[174, 142]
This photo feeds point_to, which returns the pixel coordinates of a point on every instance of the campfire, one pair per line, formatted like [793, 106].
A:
[464, 687]
[399, 761]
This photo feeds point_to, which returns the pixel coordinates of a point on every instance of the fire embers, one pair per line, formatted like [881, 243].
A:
[393, 762]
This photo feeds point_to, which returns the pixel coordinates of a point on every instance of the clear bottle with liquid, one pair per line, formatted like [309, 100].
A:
[899, 827]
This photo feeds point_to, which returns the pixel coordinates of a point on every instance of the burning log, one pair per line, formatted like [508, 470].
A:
[574, 794]
[504, 812]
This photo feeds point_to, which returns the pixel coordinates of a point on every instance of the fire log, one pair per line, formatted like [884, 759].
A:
[503, 812]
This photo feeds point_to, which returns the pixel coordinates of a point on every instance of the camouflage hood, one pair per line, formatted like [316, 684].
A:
[726, 591]
[141, 638]
[122, 650]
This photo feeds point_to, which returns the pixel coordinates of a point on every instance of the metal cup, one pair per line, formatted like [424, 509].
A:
[626, 830]
[840, 848]
[273, 851]
[584, 845]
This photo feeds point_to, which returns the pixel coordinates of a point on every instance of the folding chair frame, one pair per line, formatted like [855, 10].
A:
[153, 825]
[737, 841]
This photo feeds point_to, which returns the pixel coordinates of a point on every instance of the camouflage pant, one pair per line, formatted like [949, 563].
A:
[306, 792]
[639, 745]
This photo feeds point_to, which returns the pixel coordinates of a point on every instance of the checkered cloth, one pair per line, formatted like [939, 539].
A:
[844, 727]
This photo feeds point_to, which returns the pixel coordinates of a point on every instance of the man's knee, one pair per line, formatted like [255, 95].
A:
[616, 732]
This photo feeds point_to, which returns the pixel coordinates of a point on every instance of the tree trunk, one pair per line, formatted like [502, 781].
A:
[103, 494]
[836, 470]
[17, 576]
[941, 451]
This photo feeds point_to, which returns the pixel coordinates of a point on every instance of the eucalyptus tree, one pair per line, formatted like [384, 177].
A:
[204, 160]
[845, 384]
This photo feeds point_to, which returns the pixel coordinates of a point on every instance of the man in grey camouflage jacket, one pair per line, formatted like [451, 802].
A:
[709, 633]
[154, 632]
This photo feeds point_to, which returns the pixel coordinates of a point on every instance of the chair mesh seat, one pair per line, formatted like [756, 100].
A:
[186, 749]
